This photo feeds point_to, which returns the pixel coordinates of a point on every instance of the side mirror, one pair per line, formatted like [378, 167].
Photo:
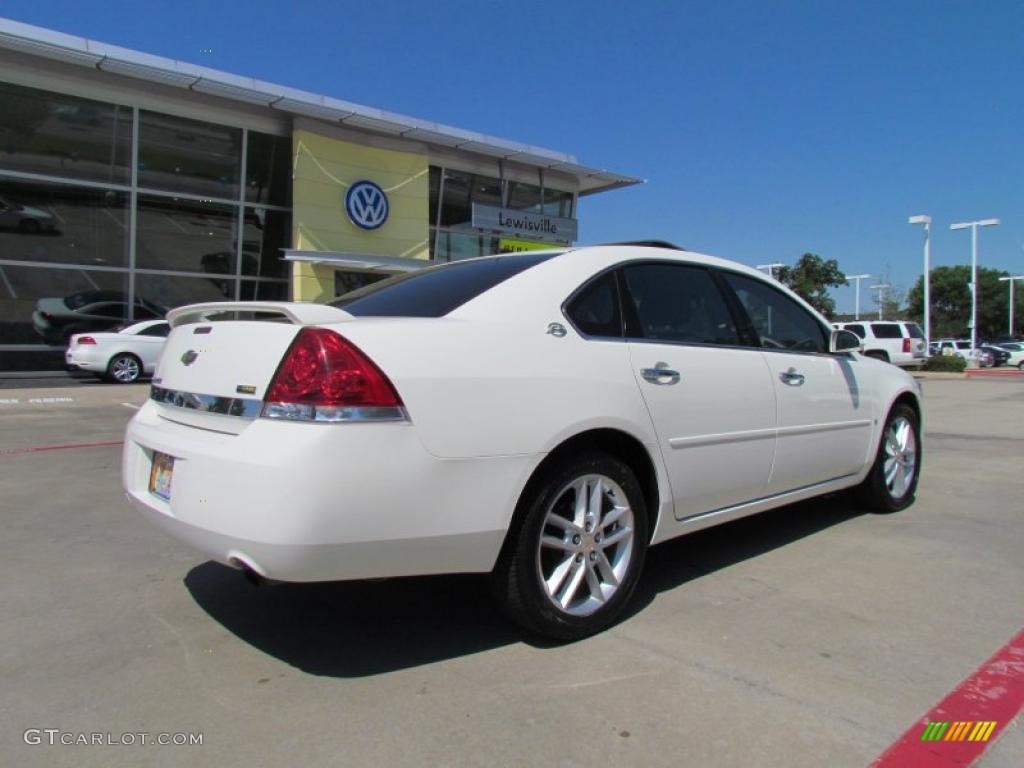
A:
[845, 341]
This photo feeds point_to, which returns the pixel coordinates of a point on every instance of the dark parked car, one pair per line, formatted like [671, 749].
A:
[999, 355]
[56, 319]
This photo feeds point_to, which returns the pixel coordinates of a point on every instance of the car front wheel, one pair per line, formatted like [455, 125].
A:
[892, 481]
[575, 552]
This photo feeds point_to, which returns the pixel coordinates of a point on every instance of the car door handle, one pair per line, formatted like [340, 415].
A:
[792, 378]
[660, 374]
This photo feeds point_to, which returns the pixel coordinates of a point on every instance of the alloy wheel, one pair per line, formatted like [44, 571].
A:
[586, 545]
[900, 457]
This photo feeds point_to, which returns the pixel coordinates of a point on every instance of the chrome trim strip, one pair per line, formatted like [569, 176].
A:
[724, 437]
[834, 426]
[246, 408]
[764, 434]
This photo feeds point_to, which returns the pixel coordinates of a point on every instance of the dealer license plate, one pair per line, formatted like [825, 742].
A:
[160, 475]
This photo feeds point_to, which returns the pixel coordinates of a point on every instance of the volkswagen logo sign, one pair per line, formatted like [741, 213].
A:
[189, 357]
[366, 205]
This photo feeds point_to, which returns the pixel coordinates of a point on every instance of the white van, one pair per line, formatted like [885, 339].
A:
[899, 342]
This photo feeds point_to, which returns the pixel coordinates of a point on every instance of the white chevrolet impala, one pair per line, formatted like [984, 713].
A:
[543, 417]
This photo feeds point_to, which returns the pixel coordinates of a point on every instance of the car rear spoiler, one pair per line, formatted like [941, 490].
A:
[294, 312]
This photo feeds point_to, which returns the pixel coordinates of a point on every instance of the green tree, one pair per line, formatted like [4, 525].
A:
[811, 278]
[951, 302]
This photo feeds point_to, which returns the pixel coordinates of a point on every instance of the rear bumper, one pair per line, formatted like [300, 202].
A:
[78, 359]
[323, 502]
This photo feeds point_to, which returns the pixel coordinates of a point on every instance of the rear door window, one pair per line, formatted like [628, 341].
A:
[677, 303]
[856, 328]
[914, 330]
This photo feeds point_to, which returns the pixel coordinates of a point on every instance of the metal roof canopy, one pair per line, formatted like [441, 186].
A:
[368, 262]
[70, 49]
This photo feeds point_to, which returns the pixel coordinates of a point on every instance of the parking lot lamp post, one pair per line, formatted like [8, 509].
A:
[857, 278]
[927, 221]
[771, 267]
[1011, 281]
[881, 293]
[974, 270]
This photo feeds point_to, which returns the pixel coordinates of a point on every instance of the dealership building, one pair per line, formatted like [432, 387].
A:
[131, 184]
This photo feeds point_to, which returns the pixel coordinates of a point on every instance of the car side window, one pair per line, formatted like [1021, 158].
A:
[676, 302]
[779, 322]
[856, 328]
[160, 329]
[595, 309]
[886, 331]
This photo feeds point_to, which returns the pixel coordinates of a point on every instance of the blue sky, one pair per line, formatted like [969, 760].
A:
[764, 129]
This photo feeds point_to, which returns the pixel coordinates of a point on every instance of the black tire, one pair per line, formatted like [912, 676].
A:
[1020, 365]
[517, 581]
[875, 492]
[124, 368]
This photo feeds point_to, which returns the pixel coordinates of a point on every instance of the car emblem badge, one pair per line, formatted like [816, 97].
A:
[556, 329]
[366, 205]
[189, 357]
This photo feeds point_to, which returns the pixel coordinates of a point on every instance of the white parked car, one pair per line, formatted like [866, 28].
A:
[962, 348]
[543, 417]
[900, 342]
[122, 356]
[1016, 350]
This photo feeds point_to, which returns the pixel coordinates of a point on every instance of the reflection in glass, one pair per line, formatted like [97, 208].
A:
[461, 190]
[557, 203]
[265, 232]
[268, 169]
[183, 155]
[58, 135]
[41, 305]
[175, 291]
[253, 290]
[523, 197]
[185, 235]
[57, 223]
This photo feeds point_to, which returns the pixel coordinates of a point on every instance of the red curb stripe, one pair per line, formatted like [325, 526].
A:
[994, 692]
[37, 449]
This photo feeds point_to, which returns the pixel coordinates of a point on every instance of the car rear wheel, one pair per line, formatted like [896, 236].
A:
[892, 481]
[575, 552]
[124, 369]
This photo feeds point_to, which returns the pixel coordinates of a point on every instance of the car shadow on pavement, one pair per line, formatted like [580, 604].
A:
[363, 628]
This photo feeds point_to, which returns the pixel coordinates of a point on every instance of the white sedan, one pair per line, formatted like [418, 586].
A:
[122, 356]
[543, 417]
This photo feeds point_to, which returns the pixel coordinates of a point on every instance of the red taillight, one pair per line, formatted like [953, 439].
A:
[86, 340]
[324, 377]
[906, 345]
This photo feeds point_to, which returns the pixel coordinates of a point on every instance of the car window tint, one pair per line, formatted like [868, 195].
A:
[675, 302]
[435, 291]
[886, 331]
[595, 309]
[963, 345]
[856, 328]
[778, 321]
[160, 329]
[914, 330]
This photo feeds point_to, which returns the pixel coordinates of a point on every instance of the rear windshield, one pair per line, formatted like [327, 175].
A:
[915, 331]
[435, 291]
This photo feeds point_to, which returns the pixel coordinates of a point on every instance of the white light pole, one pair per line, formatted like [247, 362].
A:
[974, 270]
[881, 292]
[927, 221]
[858, 278]
[1011, 281]
[770, 267]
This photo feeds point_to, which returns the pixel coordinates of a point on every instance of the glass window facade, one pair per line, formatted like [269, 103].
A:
[452, 195]
[76, 256]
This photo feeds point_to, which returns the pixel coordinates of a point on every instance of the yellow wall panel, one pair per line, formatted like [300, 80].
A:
[324, 168]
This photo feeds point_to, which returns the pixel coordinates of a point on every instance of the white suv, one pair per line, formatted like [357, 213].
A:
[899, 342]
